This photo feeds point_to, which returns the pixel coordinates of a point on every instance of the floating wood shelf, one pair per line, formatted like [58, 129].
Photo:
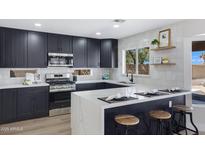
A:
[165, 64]
[163, 48]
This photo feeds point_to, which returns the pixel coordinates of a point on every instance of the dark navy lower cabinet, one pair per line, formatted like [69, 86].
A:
[23, 103]
[32, 102]
[8, 105]
[40, 101]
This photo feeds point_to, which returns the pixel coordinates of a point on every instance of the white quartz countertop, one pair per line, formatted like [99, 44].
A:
[20, 85]
[93, 95]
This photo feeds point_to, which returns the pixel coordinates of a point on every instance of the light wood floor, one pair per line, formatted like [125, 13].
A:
[57, 125]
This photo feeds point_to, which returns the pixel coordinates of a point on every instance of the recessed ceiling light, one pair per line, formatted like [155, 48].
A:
[98, 33]
[37, 24]
[116, 26]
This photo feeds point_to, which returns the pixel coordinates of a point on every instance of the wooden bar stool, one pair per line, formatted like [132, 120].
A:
[162, 117]
[184, 110]
[127, 120]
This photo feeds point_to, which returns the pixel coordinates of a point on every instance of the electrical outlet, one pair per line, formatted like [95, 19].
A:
[170, 104]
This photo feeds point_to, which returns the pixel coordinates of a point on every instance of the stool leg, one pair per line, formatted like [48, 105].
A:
[179, 121]
[184, 116]
[191, 119]
[174, 123]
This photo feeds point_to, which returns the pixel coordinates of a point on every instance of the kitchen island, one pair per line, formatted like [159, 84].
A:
[90, 115]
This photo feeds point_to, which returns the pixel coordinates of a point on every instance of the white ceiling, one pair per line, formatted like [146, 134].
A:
[88, 27]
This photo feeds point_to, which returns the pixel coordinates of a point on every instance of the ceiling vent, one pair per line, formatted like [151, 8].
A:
[119, 20]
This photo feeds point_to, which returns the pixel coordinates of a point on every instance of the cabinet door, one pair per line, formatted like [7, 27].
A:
[79, 52]
[15, 48]
[114, 53]
[2, 54]
[93, 53]
[32, 103]
[40, 101]
[7, 53]
[7, 105]
[105, 54]
[66, 44]
[37, 49]
[109, 53]
[24, 104]
[53, 42]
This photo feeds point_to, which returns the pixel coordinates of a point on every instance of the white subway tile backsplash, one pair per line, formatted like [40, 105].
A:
[5, 74]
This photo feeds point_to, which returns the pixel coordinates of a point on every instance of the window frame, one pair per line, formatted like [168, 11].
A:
[137, 62]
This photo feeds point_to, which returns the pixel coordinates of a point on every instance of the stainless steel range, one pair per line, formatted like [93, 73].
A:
[61, 87]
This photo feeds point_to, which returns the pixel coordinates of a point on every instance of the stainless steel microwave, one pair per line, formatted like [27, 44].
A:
[60, 60]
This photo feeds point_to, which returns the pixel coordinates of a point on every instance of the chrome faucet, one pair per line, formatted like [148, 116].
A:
[131, 77]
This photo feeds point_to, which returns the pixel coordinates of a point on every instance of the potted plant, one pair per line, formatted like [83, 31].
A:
[155, 43]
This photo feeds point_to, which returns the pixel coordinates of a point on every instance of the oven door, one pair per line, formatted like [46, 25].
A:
[59, 99]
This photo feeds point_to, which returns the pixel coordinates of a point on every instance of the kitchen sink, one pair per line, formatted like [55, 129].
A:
[125, 82]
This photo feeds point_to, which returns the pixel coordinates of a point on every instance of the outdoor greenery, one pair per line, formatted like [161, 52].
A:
[131, 61]
[143, 56]
[131, 56]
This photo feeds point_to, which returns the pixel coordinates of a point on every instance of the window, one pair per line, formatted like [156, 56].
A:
[143, 61]
[136, 61]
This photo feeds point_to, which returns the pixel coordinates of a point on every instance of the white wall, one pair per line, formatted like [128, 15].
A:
[164, 76]
[5, 74]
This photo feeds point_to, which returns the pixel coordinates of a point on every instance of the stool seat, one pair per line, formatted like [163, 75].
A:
[160, 114]
[127, 119]
[183, 108]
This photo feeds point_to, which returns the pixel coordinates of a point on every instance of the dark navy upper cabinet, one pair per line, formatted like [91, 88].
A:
[29, 49]
[53, 43]
[7, 105]
[37, 49]
[66, 43]
[59, 43]
[14, 48]
[93, 51]
[80, 52]
[109, 53]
